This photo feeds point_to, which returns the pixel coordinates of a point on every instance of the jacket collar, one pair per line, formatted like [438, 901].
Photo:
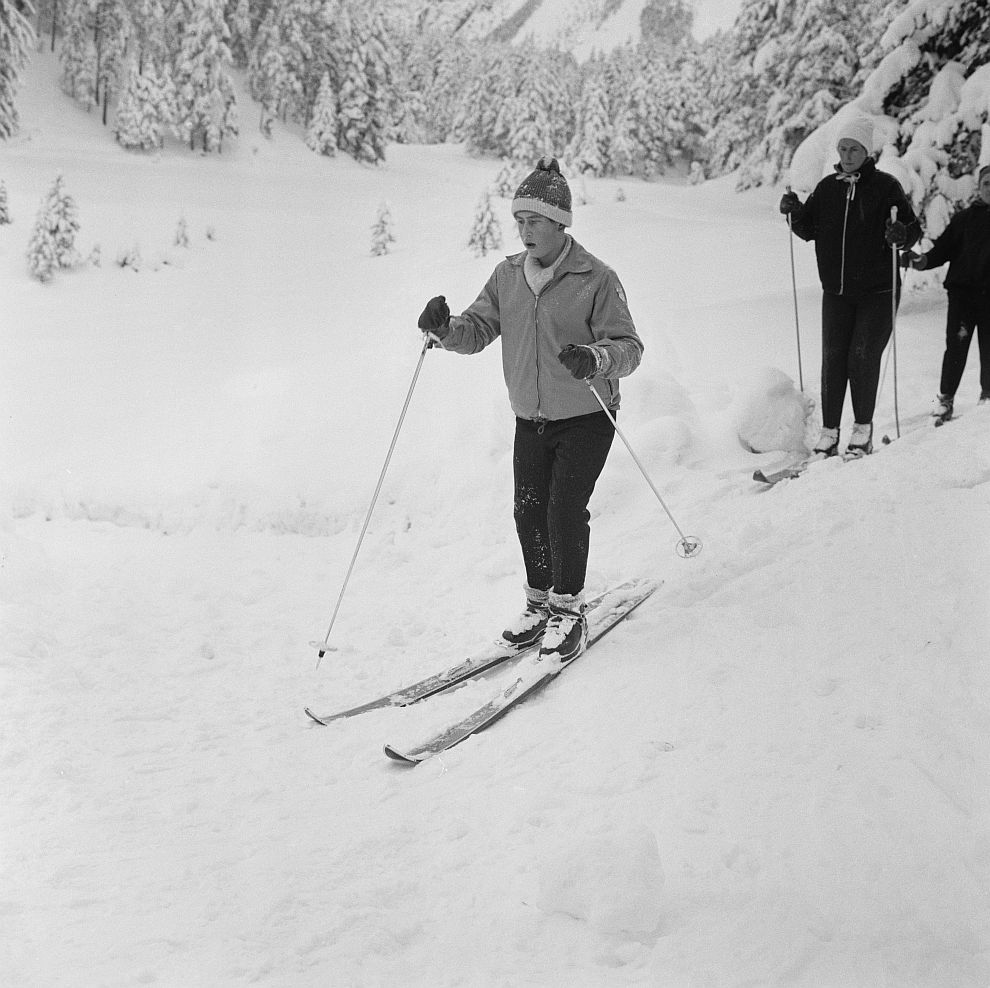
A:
[578, 259]
[866, 170]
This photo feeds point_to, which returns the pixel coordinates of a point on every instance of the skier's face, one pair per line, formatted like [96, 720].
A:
[542, 237]
[984, 188]
[852, 154]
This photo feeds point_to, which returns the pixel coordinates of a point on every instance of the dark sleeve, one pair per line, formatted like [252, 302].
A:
[947, 244]
[905, 213]
[804, 221]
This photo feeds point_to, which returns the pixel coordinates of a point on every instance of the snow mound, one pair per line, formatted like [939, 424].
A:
[769, 413]
[613, 882]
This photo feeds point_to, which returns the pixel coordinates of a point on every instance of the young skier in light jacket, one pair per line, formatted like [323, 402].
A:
[564, 323]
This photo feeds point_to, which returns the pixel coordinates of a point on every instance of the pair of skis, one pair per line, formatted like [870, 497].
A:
[793, 467]
[605, 613]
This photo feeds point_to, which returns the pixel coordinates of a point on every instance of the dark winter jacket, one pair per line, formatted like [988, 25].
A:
[846, 216]
[965, 244]
[584, 303]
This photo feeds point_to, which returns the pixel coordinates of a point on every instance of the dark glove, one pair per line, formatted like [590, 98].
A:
[789, 203]
[895, 233]
[435, 318]
[916, 261]
[582, 361]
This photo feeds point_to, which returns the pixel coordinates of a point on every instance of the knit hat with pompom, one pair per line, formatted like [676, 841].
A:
[544, 191]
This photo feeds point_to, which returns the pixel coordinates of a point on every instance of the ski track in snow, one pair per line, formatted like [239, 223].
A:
[774, 773]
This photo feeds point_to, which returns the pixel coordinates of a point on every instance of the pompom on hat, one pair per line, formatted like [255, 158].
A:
[859, 129]
[545, 191]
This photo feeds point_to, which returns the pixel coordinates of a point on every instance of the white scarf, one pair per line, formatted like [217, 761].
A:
[537, 276]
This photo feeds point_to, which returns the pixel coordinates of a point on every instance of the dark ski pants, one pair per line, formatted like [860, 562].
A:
[969, 313]
[855, 331]
[556, 466]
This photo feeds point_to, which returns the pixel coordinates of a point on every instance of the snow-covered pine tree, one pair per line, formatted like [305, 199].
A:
[590, 149]
[381, 231]
[16, 41]
[737, 89]
[506, 181]
[147, 42]
[77, 53]
[321, 136]
[113, 28]
[449, 61]
[654, 127]
[524, 125]
[181, 238]
[486, 233]
[53, 240]
[364, 94]
[289, 57]
[142, 111]
[239, 21]
[267, 73]
[206, 107]
[4, 209]
[481, 94]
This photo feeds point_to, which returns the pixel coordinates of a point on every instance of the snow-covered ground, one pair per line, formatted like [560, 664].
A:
[775, 773]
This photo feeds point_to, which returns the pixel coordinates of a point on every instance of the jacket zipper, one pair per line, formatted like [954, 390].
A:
[845, 223]
[536, 347]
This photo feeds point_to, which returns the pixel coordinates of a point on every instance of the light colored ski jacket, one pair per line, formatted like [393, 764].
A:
[584, 303]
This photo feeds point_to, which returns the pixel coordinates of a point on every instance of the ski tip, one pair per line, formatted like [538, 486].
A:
[397, 756]
[313, 717]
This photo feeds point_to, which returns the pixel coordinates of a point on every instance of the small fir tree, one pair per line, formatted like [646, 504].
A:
[486, 234]
[381, 231]
[321, 135]
[4, 211]
[506, 181]
[181, 238]
[53, 241]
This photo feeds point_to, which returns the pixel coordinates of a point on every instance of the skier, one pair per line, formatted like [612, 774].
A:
[848, 215]
[965, 244]
[565, 325]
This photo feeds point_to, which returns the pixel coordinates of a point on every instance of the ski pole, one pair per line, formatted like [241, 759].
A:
[797, 321]
[323, 647]
[688, 545]
[893, 320]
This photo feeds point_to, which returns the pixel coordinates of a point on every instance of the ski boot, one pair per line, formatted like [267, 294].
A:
[827, 445]
[567, 630]
[861, 440]
[942, 409]
[528, 628]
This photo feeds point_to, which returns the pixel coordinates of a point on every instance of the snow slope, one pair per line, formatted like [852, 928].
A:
[774, 774]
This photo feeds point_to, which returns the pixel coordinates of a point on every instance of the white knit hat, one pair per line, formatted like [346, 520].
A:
[859, 129]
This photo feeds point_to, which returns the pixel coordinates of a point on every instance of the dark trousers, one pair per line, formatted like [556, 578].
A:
[855, 331]
[969, 313]
[556, 466]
